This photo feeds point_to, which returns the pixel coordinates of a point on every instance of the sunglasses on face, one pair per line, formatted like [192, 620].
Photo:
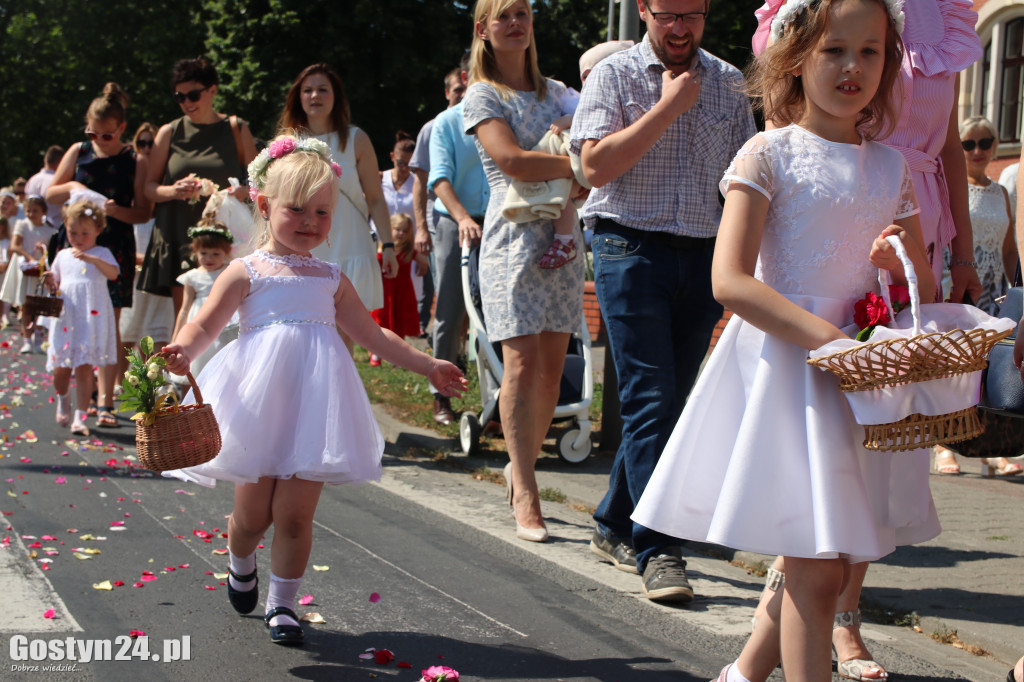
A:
[106, 137]
[144, 144]
[191, 95]
[984, 143]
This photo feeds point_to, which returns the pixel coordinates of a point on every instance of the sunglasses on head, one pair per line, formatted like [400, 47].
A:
[191, 95]
[984, 143]
[106, 137]
[144, 144]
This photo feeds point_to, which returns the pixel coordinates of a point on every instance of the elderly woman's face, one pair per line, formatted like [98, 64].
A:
[317, 96]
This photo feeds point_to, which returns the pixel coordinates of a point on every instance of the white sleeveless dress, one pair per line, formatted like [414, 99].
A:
[286, 394]
[351, 247]
[766, 456]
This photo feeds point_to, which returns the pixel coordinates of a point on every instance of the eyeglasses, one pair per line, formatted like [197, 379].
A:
[984, 143]
[144, 144]
[668, 19]
[191, 95]
[106, 137]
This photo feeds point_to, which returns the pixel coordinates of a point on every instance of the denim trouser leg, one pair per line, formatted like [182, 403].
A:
[659, 311]
[450, 309]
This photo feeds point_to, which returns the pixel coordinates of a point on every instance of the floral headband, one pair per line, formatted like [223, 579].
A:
[779, 13]
[281, 147]
[200, 230]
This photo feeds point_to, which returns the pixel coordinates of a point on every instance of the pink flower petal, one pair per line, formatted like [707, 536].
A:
[307, 599]
[374, 598]
[49, 613]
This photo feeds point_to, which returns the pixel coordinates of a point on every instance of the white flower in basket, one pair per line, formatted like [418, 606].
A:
[915, 384]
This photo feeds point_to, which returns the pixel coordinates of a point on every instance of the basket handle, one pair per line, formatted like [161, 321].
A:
[884, 280]
[195, 389]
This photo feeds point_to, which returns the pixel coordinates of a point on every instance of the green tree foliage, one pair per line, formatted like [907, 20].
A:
[392, 55]
[56, 55]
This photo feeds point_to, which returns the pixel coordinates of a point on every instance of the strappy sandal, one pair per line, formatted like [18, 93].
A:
[854, 668]
[773, 580]
[945, 463]
[105, 418]
[286, 635]
[988, 469]
[244, 601]
[558, 254]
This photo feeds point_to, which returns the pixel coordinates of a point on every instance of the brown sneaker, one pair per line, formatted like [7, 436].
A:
[443, 413]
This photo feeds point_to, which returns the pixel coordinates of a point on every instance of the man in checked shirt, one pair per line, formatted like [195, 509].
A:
[656, 127]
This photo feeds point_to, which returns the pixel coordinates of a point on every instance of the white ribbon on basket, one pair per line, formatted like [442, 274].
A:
[945, 395]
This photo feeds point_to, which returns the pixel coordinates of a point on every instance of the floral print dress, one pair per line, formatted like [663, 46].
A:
[519, 298]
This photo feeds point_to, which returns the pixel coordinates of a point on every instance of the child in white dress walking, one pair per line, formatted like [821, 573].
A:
[27, 247]
[211, 247]
[767, 456]
[291, 406]
[83, 336]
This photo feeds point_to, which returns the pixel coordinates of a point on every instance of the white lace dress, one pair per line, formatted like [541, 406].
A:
[286, 394]
[84, 333]
[766, 456]
[989, 222]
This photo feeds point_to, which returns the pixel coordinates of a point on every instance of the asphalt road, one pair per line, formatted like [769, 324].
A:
[455, 588]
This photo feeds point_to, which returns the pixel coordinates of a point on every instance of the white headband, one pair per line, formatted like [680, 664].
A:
[792, 8]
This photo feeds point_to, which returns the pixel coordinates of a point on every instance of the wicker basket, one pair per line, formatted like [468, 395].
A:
[898, 362]
[43, 302]
[181, 439]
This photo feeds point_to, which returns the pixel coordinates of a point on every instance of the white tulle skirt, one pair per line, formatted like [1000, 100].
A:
[289, 402]
[767, 457]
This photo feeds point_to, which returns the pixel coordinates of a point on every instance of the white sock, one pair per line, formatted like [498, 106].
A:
[243, 565]
[282, 593]
[734, 674]
[63, 402]
[564, 238]
[81, 416]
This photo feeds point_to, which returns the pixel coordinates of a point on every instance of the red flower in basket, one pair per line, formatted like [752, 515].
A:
[869, 312]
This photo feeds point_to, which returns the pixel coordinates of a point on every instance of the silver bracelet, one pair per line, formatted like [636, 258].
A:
[961, 261]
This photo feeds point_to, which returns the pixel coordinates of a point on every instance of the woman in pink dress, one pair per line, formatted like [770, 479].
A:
[940, 40]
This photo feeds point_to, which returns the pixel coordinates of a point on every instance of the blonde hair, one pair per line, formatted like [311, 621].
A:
[973, 123]
[780, 94]
[85, 210]
[483, 66]
[293, 178]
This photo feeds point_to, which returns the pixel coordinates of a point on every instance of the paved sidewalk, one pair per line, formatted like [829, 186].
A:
[967, 581]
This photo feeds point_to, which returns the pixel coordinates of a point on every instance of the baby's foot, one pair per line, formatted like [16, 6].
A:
[558, 254]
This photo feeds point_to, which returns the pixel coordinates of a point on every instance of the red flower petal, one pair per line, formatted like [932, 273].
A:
[374, 598]
[49, 613]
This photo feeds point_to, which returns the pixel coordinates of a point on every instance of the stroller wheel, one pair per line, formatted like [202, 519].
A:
[567, 449]
[469, 433]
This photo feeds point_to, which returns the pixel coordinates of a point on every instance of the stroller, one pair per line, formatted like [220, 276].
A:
[577, 389]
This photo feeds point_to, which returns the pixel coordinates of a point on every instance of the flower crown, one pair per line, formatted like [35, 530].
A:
[790, 9]
[281, 147]
[200, 230]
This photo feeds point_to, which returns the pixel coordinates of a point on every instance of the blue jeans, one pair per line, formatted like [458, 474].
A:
[659, 312]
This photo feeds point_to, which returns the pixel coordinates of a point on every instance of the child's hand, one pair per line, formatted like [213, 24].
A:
[421, 269]
[78, 253]
[882, 255]
[447, 378]
[49, 282]
[177, 359]
[561, 123]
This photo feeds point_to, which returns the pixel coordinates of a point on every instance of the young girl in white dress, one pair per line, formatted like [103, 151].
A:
[292, 409]
[211, 247]
[767, 456]
[28, 245]
[5, 245]
[83, 336]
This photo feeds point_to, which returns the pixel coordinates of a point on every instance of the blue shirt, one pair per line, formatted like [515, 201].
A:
[674, 186]
[453, 156]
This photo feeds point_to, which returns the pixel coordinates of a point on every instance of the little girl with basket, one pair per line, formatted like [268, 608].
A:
[767, 455]
[292, 408]
[83, 336]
